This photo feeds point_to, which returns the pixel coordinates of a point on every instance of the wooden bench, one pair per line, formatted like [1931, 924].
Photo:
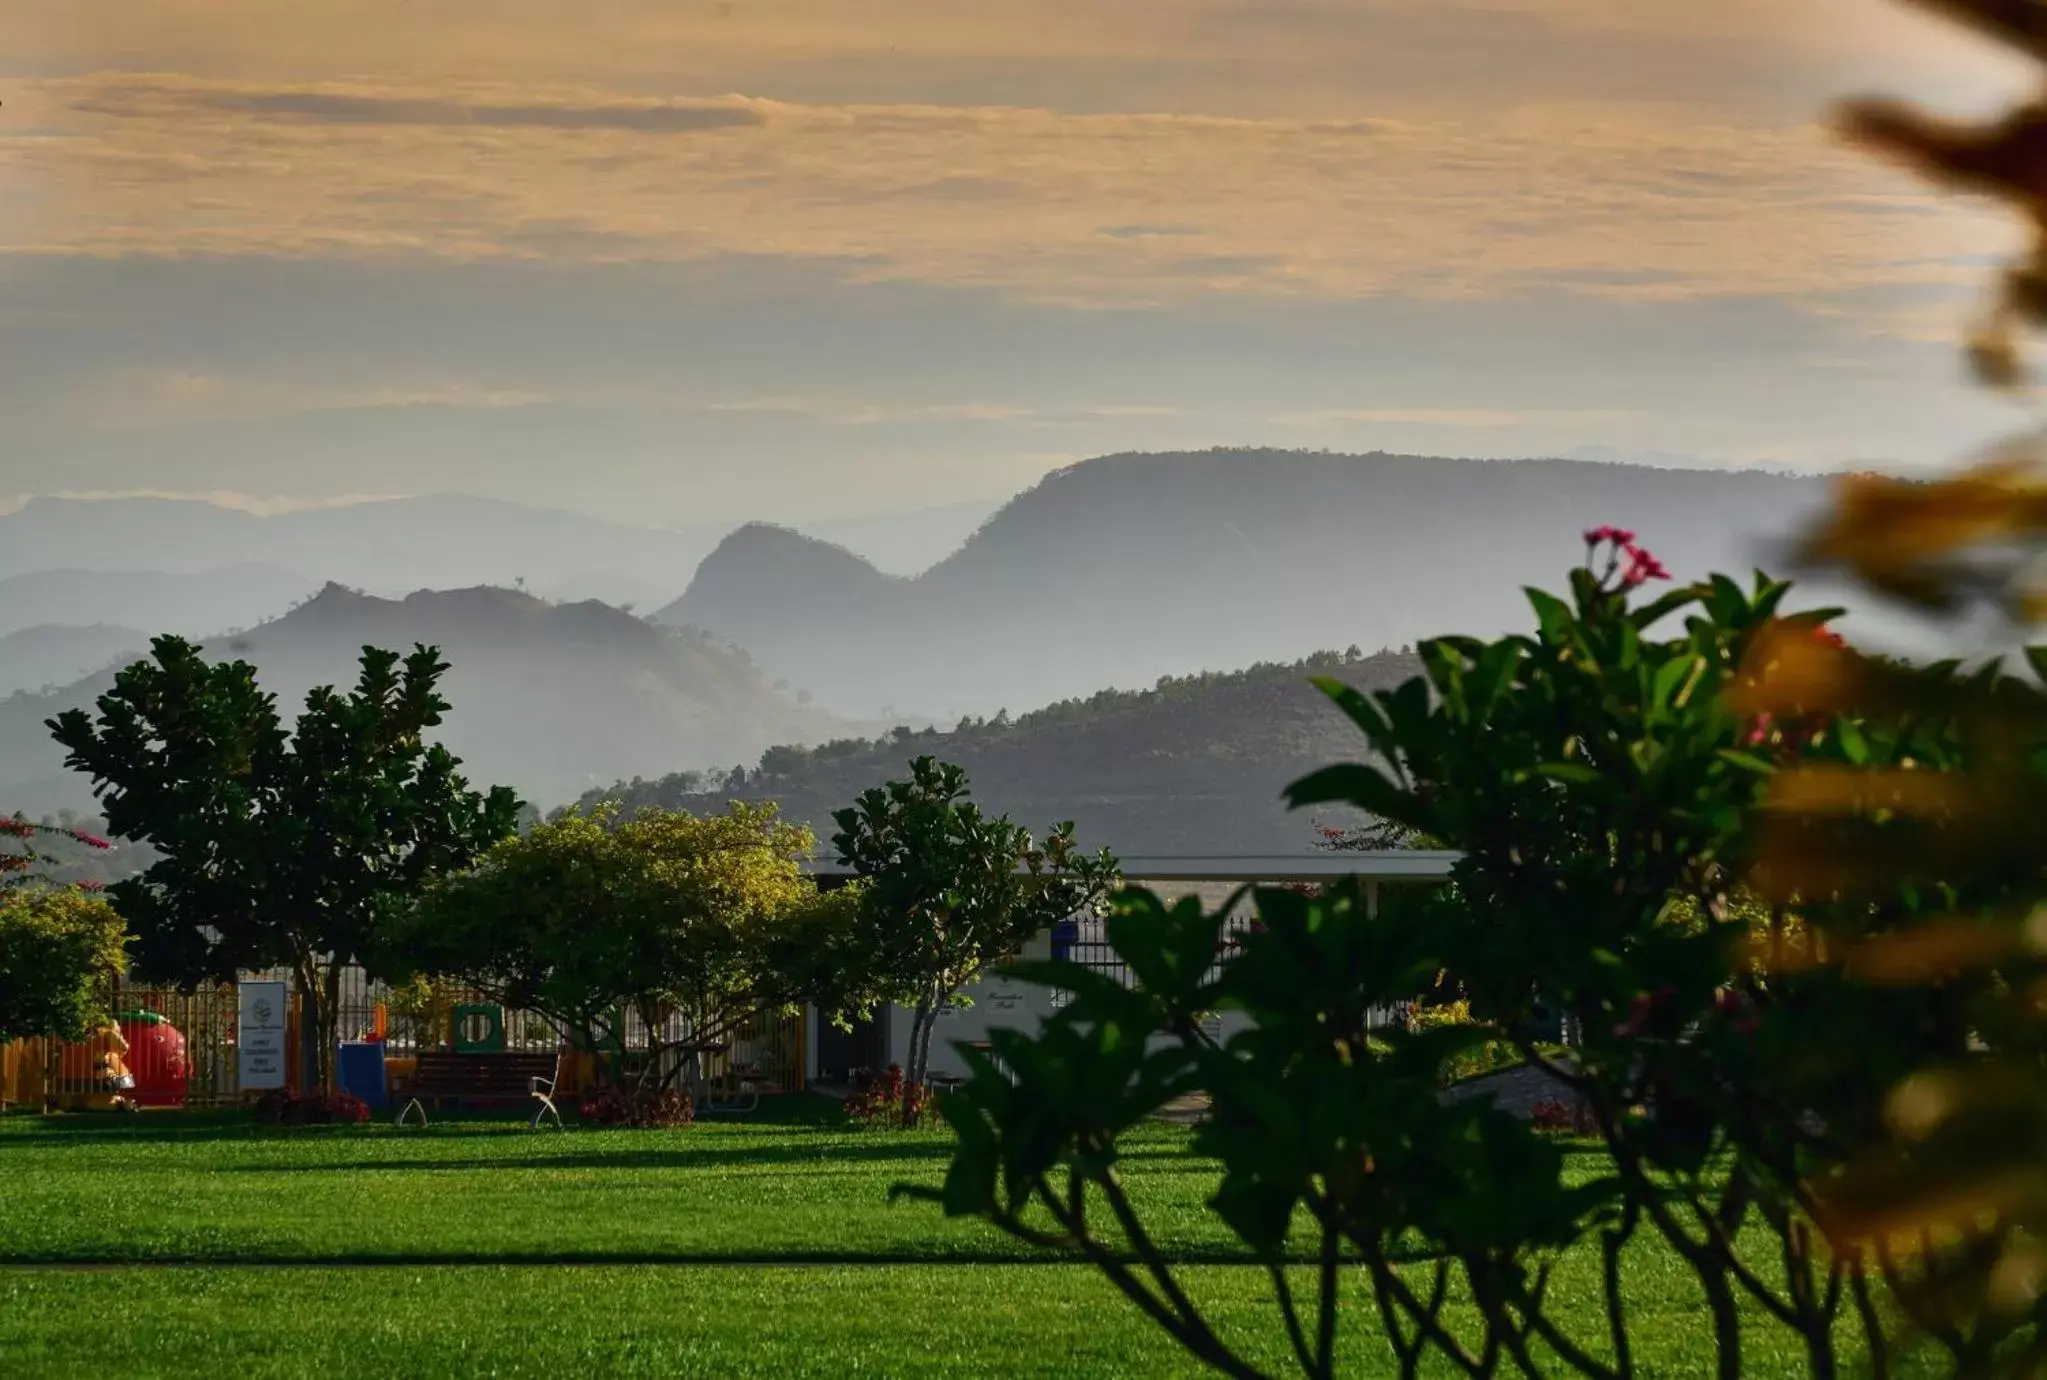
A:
[479, 1078]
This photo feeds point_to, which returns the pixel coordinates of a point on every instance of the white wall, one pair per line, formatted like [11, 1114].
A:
[997, 1001]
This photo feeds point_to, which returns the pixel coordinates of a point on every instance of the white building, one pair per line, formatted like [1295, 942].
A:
[998, 1001]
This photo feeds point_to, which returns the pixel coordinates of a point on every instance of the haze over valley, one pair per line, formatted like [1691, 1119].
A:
[1108, 575]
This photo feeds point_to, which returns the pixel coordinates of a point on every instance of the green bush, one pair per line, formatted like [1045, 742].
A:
[60, 951]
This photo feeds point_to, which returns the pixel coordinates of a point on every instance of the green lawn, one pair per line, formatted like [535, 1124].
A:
[170, 1244]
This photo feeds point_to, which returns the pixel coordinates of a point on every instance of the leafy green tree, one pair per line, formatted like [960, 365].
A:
[587, 917]
[949, 892]
[277, 848]
[60, 951]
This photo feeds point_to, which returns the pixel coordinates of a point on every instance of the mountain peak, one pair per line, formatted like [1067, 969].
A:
[1120, 569]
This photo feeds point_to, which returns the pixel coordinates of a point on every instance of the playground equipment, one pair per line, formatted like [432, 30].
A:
[94, 1074]
[478, 1027]
[156, 1056]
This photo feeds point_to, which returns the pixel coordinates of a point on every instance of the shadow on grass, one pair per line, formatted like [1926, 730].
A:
[681, 1158]
[882, 1149]
[792, 1111]
[712, 1259]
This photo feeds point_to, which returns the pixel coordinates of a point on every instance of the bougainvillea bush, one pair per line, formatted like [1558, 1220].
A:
[22, 856]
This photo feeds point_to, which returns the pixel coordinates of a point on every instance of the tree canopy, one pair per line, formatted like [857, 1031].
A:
[277, 848]
[948, 892]
[588, 917]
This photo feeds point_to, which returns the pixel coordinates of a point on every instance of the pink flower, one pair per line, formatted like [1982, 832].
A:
[92, 886]
[1642, 567]
[1619, 536]
[92, 840]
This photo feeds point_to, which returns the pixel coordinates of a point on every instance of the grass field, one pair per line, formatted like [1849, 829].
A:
[166, 1245]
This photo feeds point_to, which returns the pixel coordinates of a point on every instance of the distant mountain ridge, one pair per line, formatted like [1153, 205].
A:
[190, 603]
[53, 654]
[432, 541]
[1193, 766]
[1118, 570]
[435, 541]
[549, 699]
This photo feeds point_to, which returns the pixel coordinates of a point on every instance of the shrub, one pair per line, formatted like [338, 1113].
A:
[614, 1106]
[1488, 1055]
[1553, 1116]
[60, 949]
[887, 1099]
[282, 1107]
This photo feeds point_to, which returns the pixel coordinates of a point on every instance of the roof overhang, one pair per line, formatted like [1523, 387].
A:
[1390, 865]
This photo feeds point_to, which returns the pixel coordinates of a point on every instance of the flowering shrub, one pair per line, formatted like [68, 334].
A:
[282, 1107]
[887, 1099]
[614, 1106]
[1553, 1116]
[24, 861]
[1592, 775]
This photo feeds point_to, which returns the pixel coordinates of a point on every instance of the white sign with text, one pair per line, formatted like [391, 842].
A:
[259, 1036]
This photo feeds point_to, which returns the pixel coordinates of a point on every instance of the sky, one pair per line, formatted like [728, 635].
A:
[674, 261]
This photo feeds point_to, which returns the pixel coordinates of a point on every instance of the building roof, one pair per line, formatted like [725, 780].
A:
[1392, 865]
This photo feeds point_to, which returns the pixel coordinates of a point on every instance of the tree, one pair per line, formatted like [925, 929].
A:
[60, 951]
[949, 892]
[588, 917]
[277, 849]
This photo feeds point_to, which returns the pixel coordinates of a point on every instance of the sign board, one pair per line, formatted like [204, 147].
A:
[259, 1036]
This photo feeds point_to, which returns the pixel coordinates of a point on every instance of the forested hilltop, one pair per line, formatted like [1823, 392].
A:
[1193, 765]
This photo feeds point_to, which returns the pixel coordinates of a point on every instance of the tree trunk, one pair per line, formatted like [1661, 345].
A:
[306, 983]
[329, 1024]
[930, 1029]
[920, 1039]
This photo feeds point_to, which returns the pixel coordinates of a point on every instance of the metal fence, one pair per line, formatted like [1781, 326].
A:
[179, 1046]
[1085, 941]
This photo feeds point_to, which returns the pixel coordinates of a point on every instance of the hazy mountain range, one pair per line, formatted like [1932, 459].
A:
[1122, 569]
[548, 698]
[435, 541]
[1194, 766]
[55, 654]
[1111, 573]
[194, 603]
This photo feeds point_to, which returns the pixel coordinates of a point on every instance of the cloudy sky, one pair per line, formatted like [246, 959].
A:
[674, 260]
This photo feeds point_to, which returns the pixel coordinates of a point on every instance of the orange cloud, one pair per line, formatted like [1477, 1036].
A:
[545, 130]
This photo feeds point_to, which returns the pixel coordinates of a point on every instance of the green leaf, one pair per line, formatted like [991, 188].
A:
[1854, 746]
[1354, 783]
[1645, 616]
[1677, 682]
[1552, 615]
[1357, 705]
